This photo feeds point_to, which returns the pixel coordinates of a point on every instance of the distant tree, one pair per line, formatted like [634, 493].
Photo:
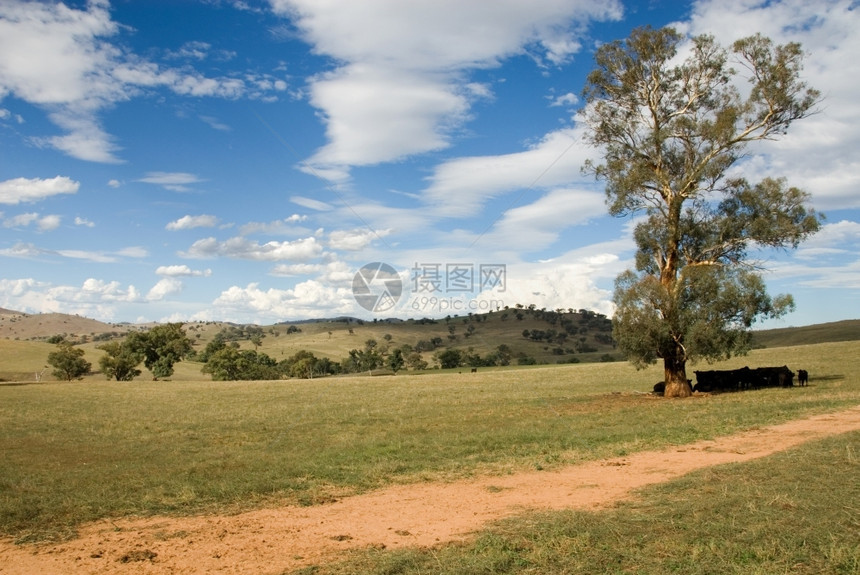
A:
[68, 362]
[503, 354]
[415, 361]
[669, 131]
[120, 361]
[232, 364]
[449, 358]
[161, 347]
[256, 340]
[396, 361]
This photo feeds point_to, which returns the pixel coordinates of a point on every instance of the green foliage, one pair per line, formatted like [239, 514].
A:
[396, 361]
[230, 364]
[120, 361]
[449, 358]
[68, 362]
[161, 347]
[670, 131]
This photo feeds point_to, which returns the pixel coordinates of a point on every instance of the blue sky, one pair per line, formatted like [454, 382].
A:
[241, 161]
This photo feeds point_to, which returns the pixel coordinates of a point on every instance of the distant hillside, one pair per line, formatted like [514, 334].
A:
[41, 326]
[848, 330]
[528, 334]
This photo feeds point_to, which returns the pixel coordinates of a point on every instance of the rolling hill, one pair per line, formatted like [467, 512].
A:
[531, 336]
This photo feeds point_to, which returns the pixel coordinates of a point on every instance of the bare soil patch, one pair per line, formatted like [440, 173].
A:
[276, 540]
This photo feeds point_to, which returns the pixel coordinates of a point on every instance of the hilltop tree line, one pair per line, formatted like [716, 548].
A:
[159, 348]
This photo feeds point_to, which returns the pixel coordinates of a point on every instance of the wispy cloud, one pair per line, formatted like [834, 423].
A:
[191, 222]
[62, 59]
[402, 83]
[174, 181]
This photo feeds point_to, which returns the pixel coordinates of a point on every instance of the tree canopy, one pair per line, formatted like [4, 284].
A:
[669, 130]
[68, 362]
[161, 347]
[120, 361]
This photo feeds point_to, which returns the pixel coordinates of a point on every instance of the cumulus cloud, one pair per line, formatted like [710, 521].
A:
[84, 222]
[402, 84]
[48, 223]
[43, 223]
[245, 249]
[20, 190]
[181, 271]
[303, 301]
[569, 99]
[191, 222]
[164, 288]
[93, 298]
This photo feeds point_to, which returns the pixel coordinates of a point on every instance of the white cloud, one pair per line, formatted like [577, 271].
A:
[403, 84]
[191, 222]
[245, 249]
[62, 59]
[538, 225]
[821, 153]
[311, 203]
[164, 288]
[133, 252]
[43, 223]
[94, 298]
[31, 251]
[354, 240]
[569, 99]
[460, 187]
[175, 181]
[20, 190]
[181, 271]
[305, 300]
[48, 223]
[284, 226]
[79, 221]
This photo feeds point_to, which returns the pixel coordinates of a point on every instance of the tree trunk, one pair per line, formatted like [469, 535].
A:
[675, 374]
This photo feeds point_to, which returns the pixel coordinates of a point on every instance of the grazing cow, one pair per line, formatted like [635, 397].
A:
[660, 387]
[802, 377]
[774, 376]
[474, 370]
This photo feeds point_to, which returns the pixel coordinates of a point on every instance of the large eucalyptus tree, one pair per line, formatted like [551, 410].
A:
[670, 128]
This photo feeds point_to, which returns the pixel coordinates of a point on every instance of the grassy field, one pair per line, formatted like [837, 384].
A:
[795, 512]
[71, 453]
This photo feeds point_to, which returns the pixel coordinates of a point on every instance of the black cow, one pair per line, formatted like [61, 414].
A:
[774, 376]
[802, 377]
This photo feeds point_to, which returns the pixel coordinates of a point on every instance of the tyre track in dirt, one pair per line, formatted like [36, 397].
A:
[416, 515]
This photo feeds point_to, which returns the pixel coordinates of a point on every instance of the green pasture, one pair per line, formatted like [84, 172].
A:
[75, 452]
[796, 512]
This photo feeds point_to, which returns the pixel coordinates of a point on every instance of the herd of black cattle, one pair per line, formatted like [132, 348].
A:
[744, 378]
